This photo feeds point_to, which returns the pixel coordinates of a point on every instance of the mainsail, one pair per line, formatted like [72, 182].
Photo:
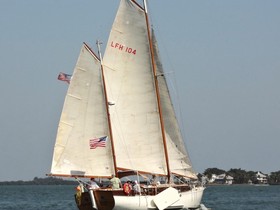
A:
[83, 118]
[130, 84]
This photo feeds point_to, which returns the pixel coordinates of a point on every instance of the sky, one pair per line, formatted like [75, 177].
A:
[224, 55]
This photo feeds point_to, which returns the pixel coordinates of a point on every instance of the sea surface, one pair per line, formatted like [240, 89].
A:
[242, 197]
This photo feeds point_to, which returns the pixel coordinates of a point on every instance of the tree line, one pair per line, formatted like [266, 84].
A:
[41, 181]
[241, 176]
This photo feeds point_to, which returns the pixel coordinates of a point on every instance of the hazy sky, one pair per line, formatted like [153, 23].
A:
[225, 56]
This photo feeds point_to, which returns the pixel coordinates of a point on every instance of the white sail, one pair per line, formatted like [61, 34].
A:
[178, 157]
[126, 102]
[130, 83]
[83, 118]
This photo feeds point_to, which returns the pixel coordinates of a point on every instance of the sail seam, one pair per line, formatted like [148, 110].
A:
[79, 68]
[73, 96]
[109, 67]
[66, 123]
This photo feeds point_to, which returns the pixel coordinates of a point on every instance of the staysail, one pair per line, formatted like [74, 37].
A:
[130, 84]
[83, 121]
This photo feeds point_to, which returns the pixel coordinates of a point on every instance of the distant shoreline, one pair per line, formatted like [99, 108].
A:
[212, 185]
[41, 181]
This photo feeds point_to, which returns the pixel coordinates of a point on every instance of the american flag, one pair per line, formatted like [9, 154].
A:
[98, 142]
[64, 77]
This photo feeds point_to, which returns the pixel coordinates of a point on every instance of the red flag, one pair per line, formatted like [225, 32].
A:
[64, 77]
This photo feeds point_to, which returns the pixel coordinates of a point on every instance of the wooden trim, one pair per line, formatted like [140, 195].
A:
[107, 111]
[158, 99]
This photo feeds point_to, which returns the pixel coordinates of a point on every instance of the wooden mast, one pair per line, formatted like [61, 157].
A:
[157, 93]
[107, 108]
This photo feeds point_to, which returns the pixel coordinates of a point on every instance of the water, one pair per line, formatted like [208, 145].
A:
[215, 197]
[41, 197]
[242, 197]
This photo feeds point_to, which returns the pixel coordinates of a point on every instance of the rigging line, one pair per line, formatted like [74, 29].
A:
[178, 110]
[173, 86]
[164, 49]
[109, 88]
[119, 129]
[107, 110]
[176, 98]
[121, 137]
[156, 82]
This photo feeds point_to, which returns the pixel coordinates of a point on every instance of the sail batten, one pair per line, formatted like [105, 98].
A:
[81, 69]
[74, 96]
[66, 123]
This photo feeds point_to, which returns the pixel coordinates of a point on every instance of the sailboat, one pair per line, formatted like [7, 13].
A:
[118, 119]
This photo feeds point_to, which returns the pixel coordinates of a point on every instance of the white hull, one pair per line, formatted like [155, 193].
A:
[189, 199]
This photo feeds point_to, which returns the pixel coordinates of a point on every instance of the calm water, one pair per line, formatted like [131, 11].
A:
[215, 197]
[242, 197]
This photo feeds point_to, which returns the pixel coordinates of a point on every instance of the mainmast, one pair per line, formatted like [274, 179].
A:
[98, 43]
[157, 93]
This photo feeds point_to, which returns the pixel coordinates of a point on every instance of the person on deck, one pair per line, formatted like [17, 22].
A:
[127, 187]
[79, 191]
[136, 187]
[153, 180]
[115, 182]
[92, 184]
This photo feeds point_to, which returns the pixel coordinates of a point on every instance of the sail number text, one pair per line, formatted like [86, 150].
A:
[123, 48]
